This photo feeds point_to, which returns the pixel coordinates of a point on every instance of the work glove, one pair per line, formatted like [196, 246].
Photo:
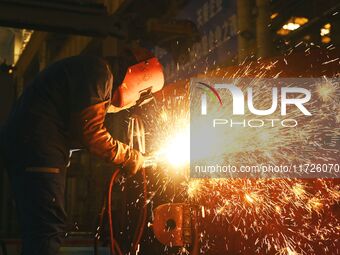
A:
[134, 163]
[88, 127]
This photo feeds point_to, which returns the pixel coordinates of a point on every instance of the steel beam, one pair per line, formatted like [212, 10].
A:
[63, 18]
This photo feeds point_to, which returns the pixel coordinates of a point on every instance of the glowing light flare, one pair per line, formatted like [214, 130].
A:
[194, 187]
[278, 209]
[314, 204]
[176, 149]
[274, 15]
[249, 198]
[164, 116]
[299, 191]
[290, 251]
[291, 26]
[326, 91]
[325, 30]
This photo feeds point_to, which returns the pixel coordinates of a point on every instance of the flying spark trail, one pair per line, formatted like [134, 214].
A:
[276, 216]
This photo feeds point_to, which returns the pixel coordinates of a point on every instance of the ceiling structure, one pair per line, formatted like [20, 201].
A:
[138, 20]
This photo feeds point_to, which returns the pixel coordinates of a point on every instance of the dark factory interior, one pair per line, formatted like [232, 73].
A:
[163, 209]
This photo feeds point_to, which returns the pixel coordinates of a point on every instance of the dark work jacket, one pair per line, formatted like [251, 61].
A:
[37, 133]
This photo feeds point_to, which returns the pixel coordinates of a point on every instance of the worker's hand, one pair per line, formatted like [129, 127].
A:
[134, 163]
[150, 161]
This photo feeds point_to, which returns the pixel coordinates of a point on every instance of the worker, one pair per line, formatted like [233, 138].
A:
[64, 108]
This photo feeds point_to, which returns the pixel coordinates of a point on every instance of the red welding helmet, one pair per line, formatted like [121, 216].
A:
[143, 75]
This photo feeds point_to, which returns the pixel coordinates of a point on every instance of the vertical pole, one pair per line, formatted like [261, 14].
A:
[245, 35]
[264, 38]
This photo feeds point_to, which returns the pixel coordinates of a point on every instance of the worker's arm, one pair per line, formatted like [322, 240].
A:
[95, 137]
[87, 124]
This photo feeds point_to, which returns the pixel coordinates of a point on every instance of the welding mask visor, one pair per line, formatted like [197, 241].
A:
[137, 74]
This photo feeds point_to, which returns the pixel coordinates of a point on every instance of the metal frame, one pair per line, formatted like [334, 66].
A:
[88, 20]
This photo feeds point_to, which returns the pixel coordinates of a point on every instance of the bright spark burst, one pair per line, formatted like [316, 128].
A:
[327, 91]
[193, 187]
[277, 216]
[176, 150]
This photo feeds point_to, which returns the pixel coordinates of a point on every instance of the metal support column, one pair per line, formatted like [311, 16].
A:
[265, 47]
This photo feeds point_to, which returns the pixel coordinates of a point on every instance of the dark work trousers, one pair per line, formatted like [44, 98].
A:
[39, 198]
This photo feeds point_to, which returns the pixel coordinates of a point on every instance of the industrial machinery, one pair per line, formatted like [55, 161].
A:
[175, 224]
